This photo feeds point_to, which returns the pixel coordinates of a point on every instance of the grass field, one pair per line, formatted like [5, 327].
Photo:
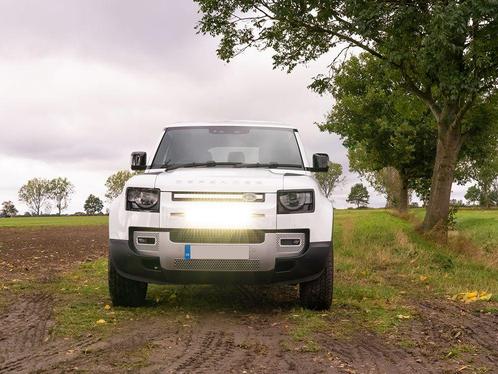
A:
[381, 265]
[54, 221]
[386, 273]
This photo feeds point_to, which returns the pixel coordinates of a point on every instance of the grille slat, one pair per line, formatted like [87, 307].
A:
[216, 264]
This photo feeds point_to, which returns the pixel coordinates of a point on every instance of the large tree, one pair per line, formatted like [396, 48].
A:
[383, 127]
[445, 51]
[35, 194]
[329, 180]
[61, 190]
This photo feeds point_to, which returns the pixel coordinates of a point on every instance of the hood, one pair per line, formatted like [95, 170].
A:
[220, 180]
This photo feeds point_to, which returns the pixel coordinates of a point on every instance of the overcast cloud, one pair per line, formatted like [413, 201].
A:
[84, 83]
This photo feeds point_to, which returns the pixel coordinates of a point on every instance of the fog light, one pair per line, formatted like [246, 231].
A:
[290, 241]
[146, 240]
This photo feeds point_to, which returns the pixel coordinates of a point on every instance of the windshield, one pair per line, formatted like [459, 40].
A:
[228, 145]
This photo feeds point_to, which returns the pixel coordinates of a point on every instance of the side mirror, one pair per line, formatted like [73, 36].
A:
[320, 162]
[138, 160]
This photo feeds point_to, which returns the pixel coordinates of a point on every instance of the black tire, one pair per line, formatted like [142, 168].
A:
[124, 291]
[317, 294]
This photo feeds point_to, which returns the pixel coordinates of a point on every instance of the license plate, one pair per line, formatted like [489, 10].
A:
[223, 252]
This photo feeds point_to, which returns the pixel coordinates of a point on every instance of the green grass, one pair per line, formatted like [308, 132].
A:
[480, 226]
[53, 221]
[382, 268]
[386, 255]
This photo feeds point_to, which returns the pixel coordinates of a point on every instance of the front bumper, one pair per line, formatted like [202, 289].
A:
[268, 261]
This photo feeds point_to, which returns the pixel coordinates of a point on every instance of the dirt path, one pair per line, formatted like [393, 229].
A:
[247, 343]
[442, 337]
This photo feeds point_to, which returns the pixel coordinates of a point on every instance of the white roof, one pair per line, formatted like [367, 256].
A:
[232, 123]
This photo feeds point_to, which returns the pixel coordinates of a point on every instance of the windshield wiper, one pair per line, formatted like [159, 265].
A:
[198, 164]
[270, 165]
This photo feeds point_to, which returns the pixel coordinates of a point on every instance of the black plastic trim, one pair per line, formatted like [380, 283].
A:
[302, 268]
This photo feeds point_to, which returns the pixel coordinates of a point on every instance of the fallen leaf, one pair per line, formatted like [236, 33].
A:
[472, 296]
[403, 316]
[423, 278]
[101, 321]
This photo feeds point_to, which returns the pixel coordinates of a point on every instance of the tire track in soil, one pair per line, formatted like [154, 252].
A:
[25, 344]
[206, 351]
[231, 344]
[226, 342]
[25, 324]
[212, 343]
[368, 353]
[442, 325]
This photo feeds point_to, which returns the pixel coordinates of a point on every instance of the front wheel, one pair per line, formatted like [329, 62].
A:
[317, 294]
[124, 291]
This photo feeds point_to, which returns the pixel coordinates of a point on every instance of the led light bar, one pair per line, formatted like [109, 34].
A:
[247, 197]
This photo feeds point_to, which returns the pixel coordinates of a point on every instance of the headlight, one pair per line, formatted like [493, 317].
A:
[144, 199]
[295, 201]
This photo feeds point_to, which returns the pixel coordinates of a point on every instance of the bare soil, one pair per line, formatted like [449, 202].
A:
[42, 252]
[443, 337]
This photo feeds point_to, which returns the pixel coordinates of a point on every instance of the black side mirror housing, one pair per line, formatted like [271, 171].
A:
[320, 162]
[138, 160]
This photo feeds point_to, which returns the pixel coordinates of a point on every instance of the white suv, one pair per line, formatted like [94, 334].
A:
[231, 202]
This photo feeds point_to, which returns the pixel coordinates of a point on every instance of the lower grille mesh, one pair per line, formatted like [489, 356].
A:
[218, 236]
[216, 265]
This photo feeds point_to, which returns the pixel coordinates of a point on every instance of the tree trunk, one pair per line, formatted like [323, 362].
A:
[448, 146]
[403, 195]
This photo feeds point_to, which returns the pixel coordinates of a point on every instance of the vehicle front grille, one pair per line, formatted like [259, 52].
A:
[218, 236]
[216, 265]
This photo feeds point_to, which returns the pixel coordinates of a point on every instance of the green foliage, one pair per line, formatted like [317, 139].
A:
[473, 194]
[444, 52]
[329, 180]
[358, 195]
[93, 205]
[60, 191]
[8, 209]
[451, 223]
[115, 183]
[35, 194]
[380, 123]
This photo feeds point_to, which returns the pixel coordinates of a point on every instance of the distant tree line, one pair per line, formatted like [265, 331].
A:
[40, 195]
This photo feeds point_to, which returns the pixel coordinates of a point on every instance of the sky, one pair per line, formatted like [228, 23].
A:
[83, 83]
